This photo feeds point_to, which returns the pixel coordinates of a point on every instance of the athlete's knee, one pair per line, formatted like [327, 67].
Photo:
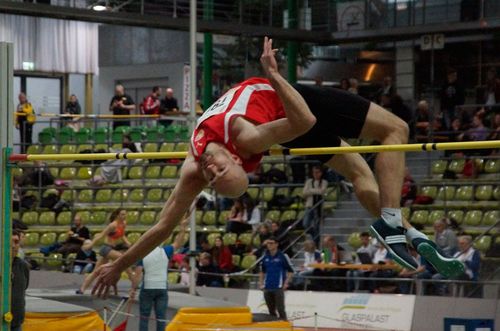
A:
[398, 132]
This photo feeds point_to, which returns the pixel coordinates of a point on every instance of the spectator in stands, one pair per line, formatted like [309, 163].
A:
[424, 271]
[77, 234]
[20, 278]
[274, 278]
[409, 190]
[336, 254]
[25, 118]
[353, 86]
[344, 84]
[121, 104]
[495, 131]
[423, 118]
[72, 108]
[251, 213]
[235, 220]
[152, 271]
[381, 257]
[151, 104]
[222, 257]
[452, 95]
[264, 233]
[85, 259]
[311, 255]
[386, 89]
[111, 169]
[366, 248]
[184, 270]
[313, 193]
[111, 249]
[471, 259]
[478, 132]
[492, 92]
[279, 232]
[168, 105]
[206, 275]
[445, 238]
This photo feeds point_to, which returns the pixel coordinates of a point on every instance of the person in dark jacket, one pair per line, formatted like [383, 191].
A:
[20, 281]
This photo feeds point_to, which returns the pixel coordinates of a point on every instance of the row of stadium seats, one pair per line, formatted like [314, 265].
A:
[490, 166]
[468, 218]
[104, 135]
[79, 148]
[462, 193]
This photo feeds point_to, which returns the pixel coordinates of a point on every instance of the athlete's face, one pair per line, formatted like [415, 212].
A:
[224, 173]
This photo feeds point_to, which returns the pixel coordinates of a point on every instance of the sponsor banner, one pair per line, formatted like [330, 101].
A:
[186, 89]
[356, 311]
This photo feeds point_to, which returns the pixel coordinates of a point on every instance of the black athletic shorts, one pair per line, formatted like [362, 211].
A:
[338, 114]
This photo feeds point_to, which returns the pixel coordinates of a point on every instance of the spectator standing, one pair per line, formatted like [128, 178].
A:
[19, 283]
[72, 108]
[274, 278]
[445, 238]
[313, 192]
[77, 234]
[492, 93]
[153, 271]
[386, 89]
[151, 104]
[168, 104]
[452, 95]
[25, 118]
[251, 213]
[121, 104]
[85, 259]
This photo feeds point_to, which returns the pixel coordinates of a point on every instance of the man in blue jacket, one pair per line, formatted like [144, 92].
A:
[275, 276]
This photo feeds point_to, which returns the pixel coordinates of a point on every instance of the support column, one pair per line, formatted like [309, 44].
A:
[293, 46]
[89, 92]
[405, 70]
[6, 135]
[208, 15]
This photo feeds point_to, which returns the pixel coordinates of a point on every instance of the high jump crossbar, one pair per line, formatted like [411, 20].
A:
[425, 147]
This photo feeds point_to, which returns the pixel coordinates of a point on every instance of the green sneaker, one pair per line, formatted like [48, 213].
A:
[448, 267]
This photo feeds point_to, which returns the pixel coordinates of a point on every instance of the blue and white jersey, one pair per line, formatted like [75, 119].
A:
[155, 267]
[275, 269]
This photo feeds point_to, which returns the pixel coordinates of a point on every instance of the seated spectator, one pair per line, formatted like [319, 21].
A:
[368, 248]
[251, 213]
[331, 253]
[222, 258]
[85, 259]
[495, 131]
[472, 261]
[235, 221]
[381, 257]
[424, 271]
[206, 272]
[311, 255]
[264, 233]
[205, 246]
[279, 232]
[409, 190]
[445, 238]
[478, 132]
[77, 234]
[111, 170]
[185, 269]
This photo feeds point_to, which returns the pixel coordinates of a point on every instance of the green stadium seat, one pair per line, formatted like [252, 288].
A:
[283, 191]
[245, 239]
[439, 167]
[132, 216]
[137, 195]
[86, 196]
[67, 173]
[124, 172]
[64, 218]
[198, 216]
[297, 192]
[30, 217]
[273, 215]
[34, 149]
[173, 277]
[136, 134]
[55, 260]
[31, 239]
[223, 216]
[154, 133]
[54, 172]
[464, 193]
[170, 133]
[99, 217]
[70, 258]
[45, 137]
[84, 148]
[419, 217]
[47, 218]
[479, 163]
[85, 216]
[154, 195]
[236, 260]
[483, 244]
[211, 238]
[68, 149]
[496, 193]
[279, 166]
[33, 193]
[103, 195]
[331, 194]
[209, 218]
[484, 192]
[153, 172]
[184, 133]
[181, 147]
[253, 192]
[491, 217]
[473, 217]
[266, 167]
[117, 134]
[446, 193]
[101, 147]
[456, 165]
[50, 149]
[288, 215]
[147, 217]
[48, 238]
[169, 172]
[167, 147]
[492, 166]
[39, 258]
[435, 215]
[229, 239]
[83, 136]
[354, 240]
[62, 237]
[430, 191]
[101, 135]
[133, 237]
[267, 194]
[150, 147]
[68, 195]
[120, 195]
[248, 261]
[84, 173]
[166, 194]
[17, 172]
[65, 135]
[405, 212]
[457, 215]
[136, 172]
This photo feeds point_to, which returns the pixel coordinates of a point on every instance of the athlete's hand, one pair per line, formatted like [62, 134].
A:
[267, 58]
[107, 278]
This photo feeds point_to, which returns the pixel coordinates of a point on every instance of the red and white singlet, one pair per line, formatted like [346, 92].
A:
[254, 99]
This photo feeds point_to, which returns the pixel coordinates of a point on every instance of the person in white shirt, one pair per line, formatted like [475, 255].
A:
[354, 284]
[313, 192]
[311, 255]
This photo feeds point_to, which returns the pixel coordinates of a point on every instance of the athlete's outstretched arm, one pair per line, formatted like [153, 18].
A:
[191, 182]
[299, 118]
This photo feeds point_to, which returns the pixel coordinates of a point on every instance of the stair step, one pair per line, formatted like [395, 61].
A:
[348, 221]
